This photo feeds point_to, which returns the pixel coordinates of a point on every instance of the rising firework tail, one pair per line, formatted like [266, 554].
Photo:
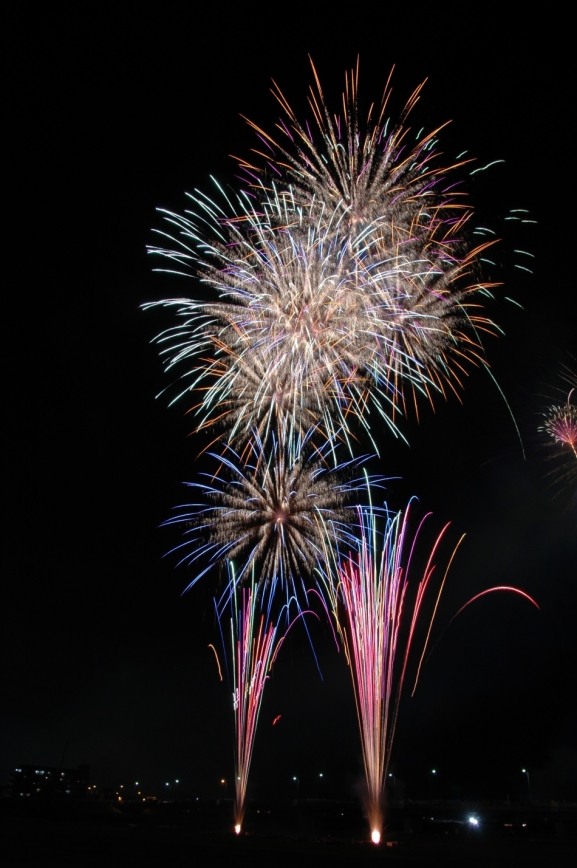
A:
[252, 650]
[254, 644]
[366, 589]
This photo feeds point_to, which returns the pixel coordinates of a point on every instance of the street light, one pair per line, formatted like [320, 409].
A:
[391, 775]
[295, 778]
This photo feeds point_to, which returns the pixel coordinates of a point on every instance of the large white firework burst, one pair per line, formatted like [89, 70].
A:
[296, 339]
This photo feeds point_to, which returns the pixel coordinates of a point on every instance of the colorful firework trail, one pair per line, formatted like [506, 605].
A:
[367, 590]
[255, 642]
[342, 283]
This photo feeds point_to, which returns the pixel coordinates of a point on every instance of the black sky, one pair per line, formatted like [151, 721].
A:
[112, 116]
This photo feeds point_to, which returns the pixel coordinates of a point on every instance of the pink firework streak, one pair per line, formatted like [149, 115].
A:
[255, 644]
[252, 655]
[371, 587]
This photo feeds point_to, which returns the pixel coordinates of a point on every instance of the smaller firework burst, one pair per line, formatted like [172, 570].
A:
[561, 425]
[560, 428]
[275, 512]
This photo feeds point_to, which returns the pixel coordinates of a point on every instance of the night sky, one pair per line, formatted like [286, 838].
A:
[114, 116]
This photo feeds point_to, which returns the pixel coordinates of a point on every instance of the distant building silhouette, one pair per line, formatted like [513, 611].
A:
[41, 782]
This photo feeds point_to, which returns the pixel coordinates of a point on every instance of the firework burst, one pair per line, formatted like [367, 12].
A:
[560, 428]
[342, 282]
[292, 340]
[403, 219]
[304, 335]
[561, 425]
[301, 336]
[275, 513]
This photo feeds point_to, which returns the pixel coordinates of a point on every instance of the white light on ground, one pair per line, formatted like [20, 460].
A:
[376, 836]
[237, 829]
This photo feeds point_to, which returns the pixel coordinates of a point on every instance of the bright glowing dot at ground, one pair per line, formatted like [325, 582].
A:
[237, 829]
[376, 836]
